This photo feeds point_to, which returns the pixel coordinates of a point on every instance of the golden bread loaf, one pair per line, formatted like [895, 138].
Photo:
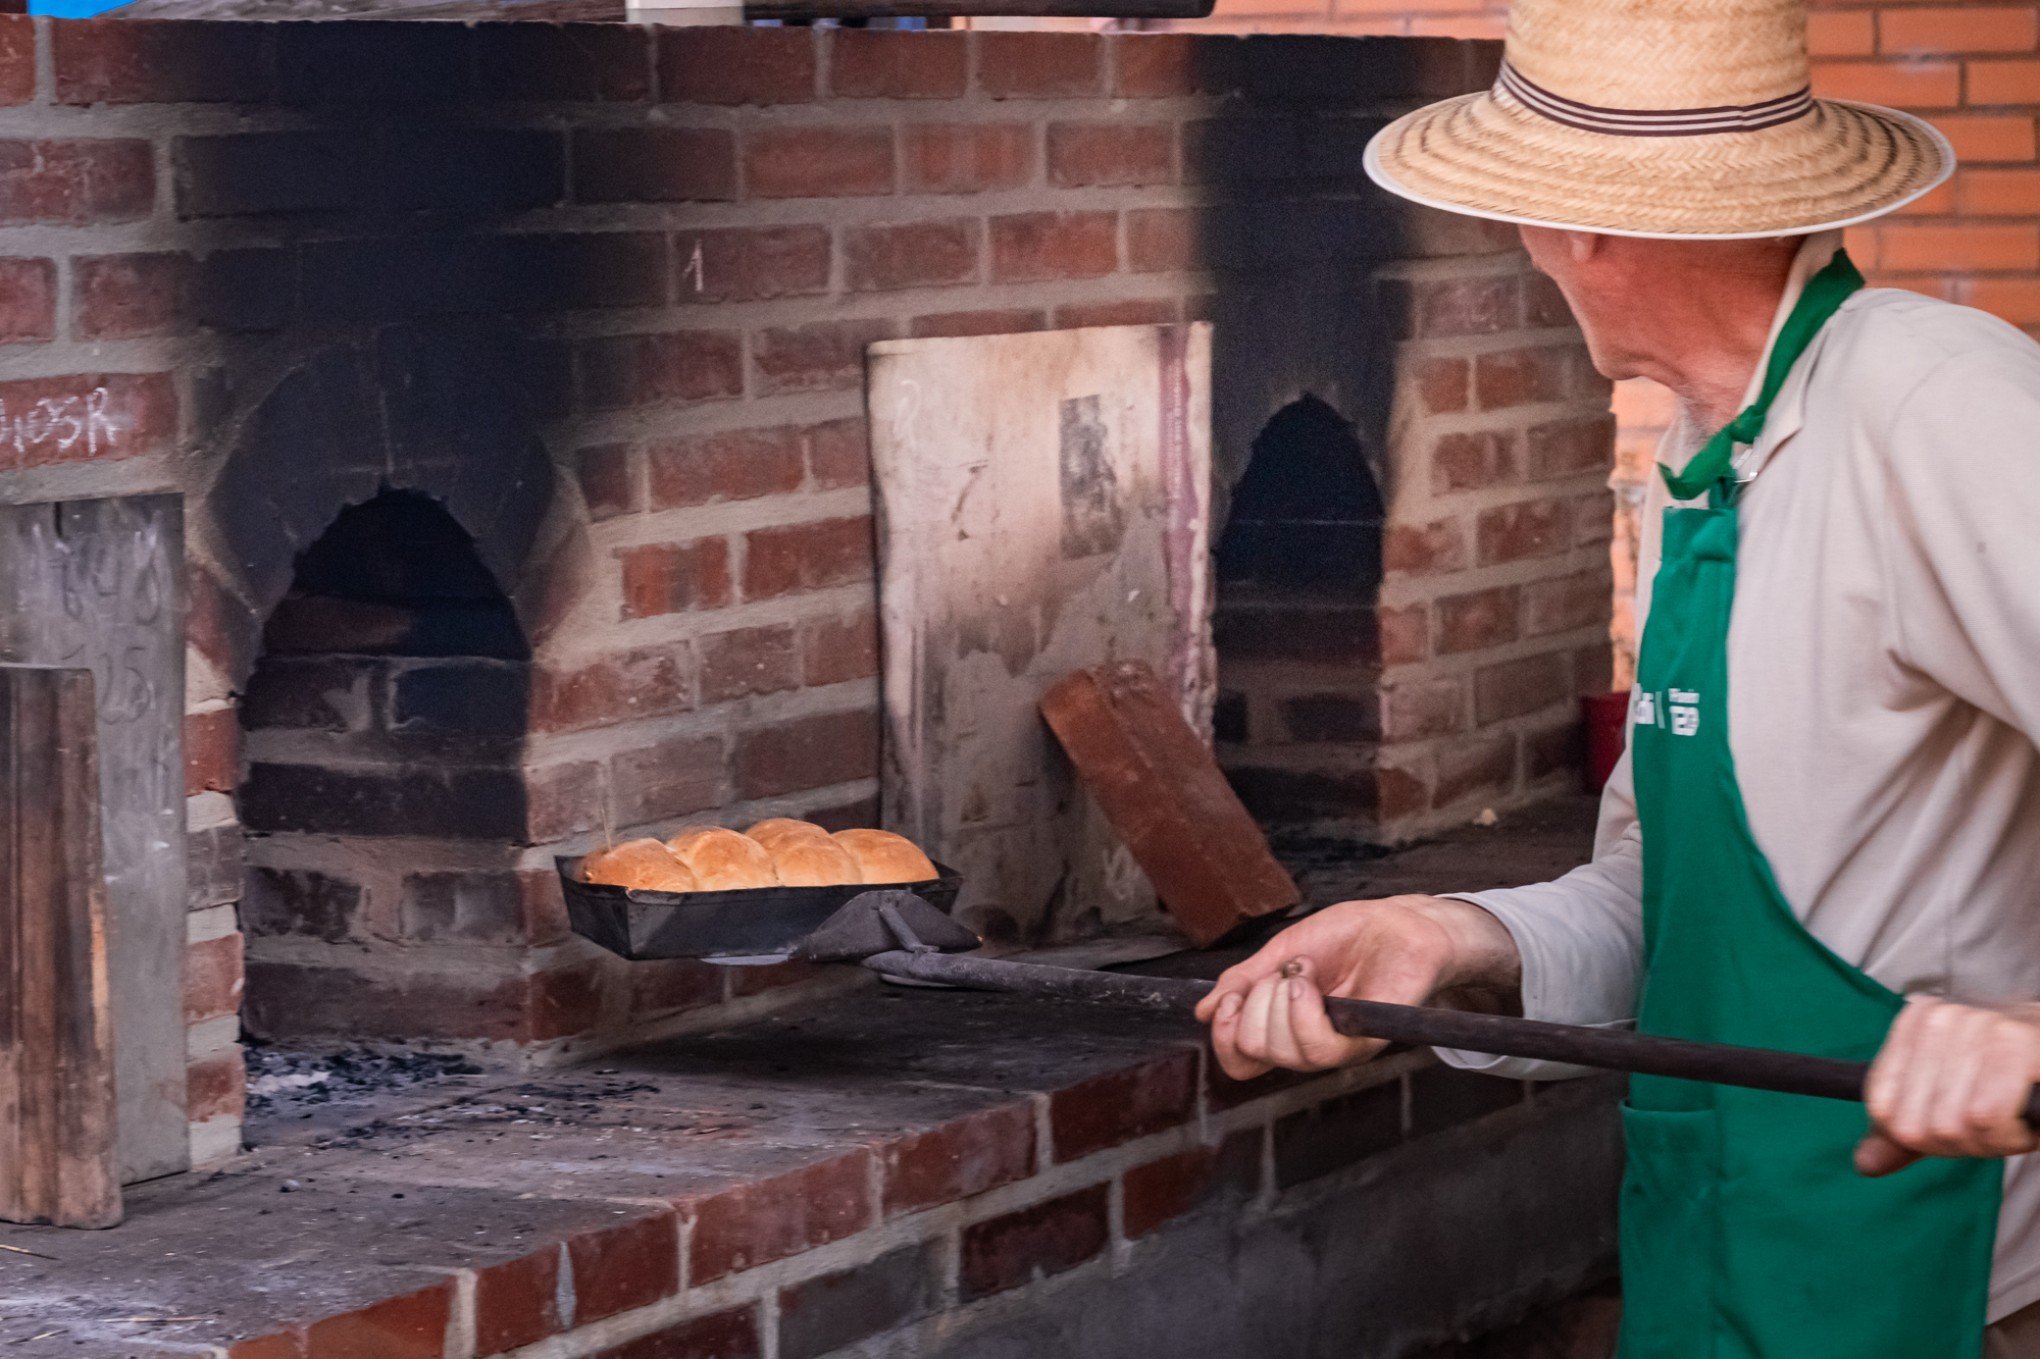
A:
[782, 828]
[645, 865]
[883, 857]
[723, 860]
[804, 862]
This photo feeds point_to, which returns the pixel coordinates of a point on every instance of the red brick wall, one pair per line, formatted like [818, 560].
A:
[1973, 69]
[603, 292]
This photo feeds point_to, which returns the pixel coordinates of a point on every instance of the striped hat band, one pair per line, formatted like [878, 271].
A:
[1654, 122]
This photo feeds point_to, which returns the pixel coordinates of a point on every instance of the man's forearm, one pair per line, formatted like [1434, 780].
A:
[1482, 956]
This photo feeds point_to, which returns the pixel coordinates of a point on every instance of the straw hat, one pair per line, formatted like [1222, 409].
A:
[1678, 118]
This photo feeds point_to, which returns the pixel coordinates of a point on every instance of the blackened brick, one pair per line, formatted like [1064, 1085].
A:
[1441, 1097]
[245, 290]
[611, 480]
[263, 173]
[480, 804]
[115, 62]
[374, 62]
[476, 908]
[284, 901]
[1047, 1239]
[825, 1314]
[590, 269]
[1335, 1134]
[654, 165]
[682, 365]
[217, 861]
[571, 62]
[475, 169]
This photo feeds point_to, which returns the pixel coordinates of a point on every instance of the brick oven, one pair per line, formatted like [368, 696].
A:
[512, 378]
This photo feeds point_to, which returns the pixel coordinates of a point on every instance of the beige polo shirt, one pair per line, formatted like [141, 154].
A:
[1884, 687]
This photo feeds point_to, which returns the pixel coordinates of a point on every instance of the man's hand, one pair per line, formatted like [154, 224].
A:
[1269, 1011]
[1951, 1080]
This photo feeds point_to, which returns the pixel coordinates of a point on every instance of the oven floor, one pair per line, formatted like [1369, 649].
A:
[419, 1193]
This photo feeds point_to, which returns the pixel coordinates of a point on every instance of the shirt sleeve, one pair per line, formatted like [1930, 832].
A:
[1580, 937]
[1962, 552]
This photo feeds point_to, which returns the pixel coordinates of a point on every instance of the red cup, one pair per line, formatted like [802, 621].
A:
[1606, 716]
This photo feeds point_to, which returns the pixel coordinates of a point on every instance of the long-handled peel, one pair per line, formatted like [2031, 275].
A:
[897, 934]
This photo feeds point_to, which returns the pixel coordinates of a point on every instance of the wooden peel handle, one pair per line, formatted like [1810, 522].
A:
[1496, 1035]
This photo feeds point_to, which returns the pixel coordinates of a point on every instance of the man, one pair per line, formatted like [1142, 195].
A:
[1831, 800]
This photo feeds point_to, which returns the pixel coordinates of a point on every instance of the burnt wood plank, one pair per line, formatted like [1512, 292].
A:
[98, 585]
[58, 1107]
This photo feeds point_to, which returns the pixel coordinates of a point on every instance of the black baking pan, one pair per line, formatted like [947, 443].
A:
[754, 925]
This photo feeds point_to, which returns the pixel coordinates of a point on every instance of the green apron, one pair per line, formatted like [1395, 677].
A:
[1746, 1231]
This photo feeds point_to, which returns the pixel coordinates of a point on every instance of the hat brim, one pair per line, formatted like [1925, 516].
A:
[1485, 155]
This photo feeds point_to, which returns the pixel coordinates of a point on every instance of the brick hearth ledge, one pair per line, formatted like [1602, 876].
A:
[957, 1174]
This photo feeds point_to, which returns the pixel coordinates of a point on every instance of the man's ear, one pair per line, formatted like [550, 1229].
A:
[1584, 245]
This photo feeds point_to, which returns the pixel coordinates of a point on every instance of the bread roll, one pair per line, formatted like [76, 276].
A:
[804, 862]
[883, 857]
[781, 828]
[646, 865]
[723, 860]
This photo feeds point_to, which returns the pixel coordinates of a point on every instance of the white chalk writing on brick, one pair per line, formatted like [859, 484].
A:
[62, 422]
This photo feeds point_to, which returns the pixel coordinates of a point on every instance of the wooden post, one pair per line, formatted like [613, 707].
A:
[57, 1103]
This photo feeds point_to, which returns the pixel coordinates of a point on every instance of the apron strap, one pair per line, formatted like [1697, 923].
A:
[1712, 468]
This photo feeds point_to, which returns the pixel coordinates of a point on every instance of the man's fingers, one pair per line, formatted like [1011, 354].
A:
[1951, 1080]
[1225, 1029]
[1881, 1088]
[1236, 980]
[1254, 1020]
[1950, 1070]
[1282, 1044]
[1320, 1046]
[1877, 1154]
[1902, 1107]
